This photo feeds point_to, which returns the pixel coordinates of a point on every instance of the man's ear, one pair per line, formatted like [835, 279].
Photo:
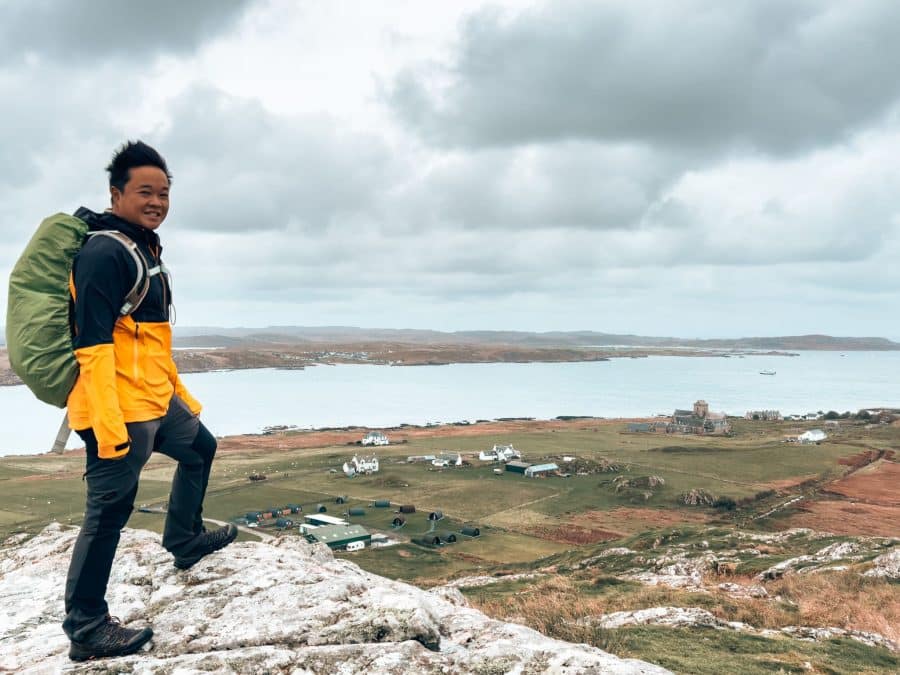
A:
[114, 195]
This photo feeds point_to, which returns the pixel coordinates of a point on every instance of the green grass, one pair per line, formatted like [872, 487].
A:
[508, 508]
[711, 652]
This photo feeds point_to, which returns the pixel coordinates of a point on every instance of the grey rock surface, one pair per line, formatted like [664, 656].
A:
[284, 606]
[887, 565]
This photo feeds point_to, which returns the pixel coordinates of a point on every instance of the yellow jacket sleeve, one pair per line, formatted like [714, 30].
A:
[98, 372]
[182, 393]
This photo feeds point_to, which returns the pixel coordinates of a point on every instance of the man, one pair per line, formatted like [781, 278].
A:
[128, 400]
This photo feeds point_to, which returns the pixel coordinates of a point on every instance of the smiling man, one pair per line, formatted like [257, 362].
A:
[128, 400]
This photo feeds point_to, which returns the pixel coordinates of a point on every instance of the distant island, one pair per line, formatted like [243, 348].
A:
[296, 347]
[553, 339]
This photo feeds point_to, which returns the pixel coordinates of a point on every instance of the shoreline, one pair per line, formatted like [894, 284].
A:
[206, 360]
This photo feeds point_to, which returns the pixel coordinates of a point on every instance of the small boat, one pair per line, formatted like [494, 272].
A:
[767, 372]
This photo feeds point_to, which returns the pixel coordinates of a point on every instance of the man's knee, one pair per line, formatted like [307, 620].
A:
[204, 444]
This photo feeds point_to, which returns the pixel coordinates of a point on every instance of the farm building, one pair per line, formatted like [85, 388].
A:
[356, 546]
[517, 467]
[339, 536]
[382, 503]
[407, 508]
[430, 539]
[414, 459]
[357, 511]
[540, 469]
[364, 465]
[284, 523]
[375, 438]
[640, 427]
[500, 453]
[322, 519]
[471, 531]
[294, 508]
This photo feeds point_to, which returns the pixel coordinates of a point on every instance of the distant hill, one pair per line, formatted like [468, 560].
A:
[214, 336]
[230, 337]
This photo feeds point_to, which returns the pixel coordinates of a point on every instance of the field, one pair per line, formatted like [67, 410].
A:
[521, 519]
[621, 489]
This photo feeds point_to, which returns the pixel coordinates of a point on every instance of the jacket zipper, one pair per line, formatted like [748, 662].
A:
[136, 337]
[162, 280]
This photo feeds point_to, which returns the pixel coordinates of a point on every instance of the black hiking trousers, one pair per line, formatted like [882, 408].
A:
[112, 485]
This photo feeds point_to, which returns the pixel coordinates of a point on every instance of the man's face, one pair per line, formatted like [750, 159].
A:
[145, 199]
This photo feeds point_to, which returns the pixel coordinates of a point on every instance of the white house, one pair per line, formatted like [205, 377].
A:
[365, 465]
[375, 438]
[812, 436]
[500, 453]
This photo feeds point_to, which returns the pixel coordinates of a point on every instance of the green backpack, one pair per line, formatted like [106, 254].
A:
[38, 323]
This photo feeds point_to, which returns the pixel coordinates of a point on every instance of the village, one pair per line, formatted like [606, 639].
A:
[352, 524]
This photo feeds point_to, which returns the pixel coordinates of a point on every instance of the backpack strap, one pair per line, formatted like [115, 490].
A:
[144, 273]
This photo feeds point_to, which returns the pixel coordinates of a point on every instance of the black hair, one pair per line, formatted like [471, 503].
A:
[131, 155]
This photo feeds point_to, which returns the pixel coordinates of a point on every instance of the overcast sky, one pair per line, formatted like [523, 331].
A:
[694, 169]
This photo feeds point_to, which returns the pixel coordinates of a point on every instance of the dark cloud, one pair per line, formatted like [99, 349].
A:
[779, 76]
[72, 31]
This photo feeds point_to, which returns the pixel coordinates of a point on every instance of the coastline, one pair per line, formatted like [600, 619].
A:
[206, 360]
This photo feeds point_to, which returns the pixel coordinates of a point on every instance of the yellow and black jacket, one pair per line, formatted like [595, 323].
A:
[126, 369]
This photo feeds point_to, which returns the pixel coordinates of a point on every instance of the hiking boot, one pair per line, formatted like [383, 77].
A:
[110, 638]
[207, 542]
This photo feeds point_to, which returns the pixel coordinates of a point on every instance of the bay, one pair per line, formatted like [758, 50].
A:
[383, 396]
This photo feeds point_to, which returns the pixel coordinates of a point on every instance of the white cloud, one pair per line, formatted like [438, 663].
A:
[731, 170]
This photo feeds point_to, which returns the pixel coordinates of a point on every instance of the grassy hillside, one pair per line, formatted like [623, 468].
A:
[562, 529]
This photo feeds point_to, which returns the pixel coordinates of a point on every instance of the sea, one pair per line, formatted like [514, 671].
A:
[248, 401]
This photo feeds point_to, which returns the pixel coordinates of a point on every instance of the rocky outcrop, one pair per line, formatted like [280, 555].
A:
[477, 581]
[843, 550]
[262, 607]
[887, 565]
[676, 570]
[675, 617]
[741, 591]
[694, 617]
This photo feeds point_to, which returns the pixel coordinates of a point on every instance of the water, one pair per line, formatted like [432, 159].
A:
[381, 396]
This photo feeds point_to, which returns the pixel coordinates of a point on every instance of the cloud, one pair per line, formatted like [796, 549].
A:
[781, 77]
[563, 185]
[78, 32]
[240, 168]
